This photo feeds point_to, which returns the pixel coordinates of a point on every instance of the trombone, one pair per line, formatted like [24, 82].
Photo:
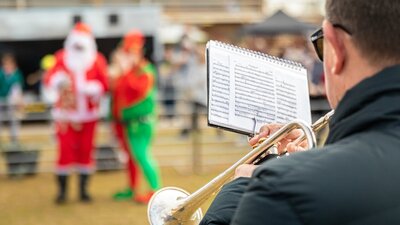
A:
[175, 206]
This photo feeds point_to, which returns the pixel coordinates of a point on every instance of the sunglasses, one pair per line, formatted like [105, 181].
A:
[317, 39]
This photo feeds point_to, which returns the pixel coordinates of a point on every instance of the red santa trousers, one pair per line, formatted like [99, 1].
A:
[75, 144]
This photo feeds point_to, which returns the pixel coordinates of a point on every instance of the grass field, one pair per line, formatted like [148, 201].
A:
[29, 200]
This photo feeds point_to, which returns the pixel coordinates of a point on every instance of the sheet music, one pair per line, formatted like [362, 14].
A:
[248, 90]
[254, 93]
[286, 101]
[220, 84]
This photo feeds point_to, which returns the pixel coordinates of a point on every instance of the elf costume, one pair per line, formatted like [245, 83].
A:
[79, 80]
[133, 109]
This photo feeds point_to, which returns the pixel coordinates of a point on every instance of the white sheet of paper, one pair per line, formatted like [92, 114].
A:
[247, 90]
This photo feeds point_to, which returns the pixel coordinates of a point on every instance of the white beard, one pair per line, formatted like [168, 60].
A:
[79, 61]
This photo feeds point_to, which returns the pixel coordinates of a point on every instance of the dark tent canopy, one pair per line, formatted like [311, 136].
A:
[279, 23]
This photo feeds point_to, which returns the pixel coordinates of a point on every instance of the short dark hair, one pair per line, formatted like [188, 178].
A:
[8, 56]
[374, 25]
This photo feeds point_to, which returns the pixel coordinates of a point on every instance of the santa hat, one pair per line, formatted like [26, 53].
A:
[81, 34]
[82, 28]
[133, 39]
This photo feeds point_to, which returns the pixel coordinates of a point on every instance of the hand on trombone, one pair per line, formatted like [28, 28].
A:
[287, 145]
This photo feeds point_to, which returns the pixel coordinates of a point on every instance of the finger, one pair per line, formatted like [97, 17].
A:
[283, 145]
[270, 128]
[294, 134]
[254, 140]
[264, 134]
[304, 144]
[259, 138]
[264, 128]
[245, 170]
[291, 147]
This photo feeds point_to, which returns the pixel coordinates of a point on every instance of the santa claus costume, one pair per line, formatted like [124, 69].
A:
[133, 109]
[79, 80]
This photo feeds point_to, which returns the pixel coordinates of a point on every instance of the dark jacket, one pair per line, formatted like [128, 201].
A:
[354, 179]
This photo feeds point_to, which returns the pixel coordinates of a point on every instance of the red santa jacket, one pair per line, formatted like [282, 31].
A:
[87, 89]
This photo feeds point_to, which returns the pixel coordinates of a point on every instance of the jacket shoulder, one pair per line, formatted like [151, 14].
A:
[338, 178]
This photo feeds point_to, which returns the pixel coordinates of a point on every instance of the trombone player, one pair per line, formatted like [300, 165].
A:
[355, 178]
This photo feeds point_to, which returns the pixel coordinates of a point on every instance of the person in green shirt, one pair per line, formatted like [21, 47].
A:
[11, 83]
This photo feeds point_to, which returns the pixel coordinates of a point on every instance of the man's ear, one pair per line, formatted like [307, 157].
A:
[335, 42]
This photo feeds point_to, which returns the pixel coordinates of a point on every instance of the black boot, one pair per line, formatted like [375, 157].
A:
[83, 183]
[62, 181]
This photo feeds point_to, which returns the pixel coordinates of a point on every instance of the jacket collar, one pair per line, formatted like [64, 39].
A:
[373, 103]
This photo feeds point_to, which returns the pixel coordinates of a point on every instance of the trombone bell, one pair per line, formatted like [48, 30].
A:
[164, 201]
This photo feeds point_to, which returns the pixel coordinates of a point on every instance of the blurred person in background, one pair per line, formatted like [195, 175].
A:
[194, 83]
[79, 79]
[11, 99]
[195, 90]
[46, 63]
[133, 108]
[132, 168]
[34, 80]
[298, 51]
[168, 83]
[185, 61]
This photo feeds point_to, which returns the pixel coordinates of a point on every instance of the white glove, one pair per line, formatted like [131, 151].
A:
[60, 80]
[93, 88]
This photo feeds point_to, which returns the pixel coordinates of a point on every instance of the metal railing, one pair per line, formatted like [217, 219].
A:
[25, 158]
[188, 153]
